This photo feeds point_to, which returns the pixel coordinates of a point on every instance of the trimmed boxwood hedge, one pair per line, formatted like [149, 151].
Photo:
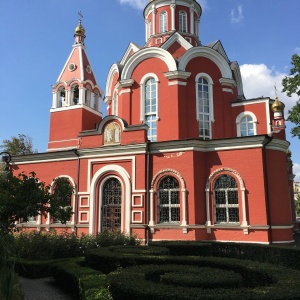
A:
[82, 282]
[141, 283]
[278, 255]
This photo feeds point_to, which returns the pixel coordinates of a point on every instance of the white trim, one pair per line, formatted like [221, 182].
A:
[176, 37]
[254, 101]
[241, 116]
[76, 106]
[131, 47]
[65, 66]
[125, 91]
[141, 196]
[80, 216]
[176, 82]
[142, 95]
[202, 51]
[88, 200]
[269, 125]
[211, 99]
[146, 53]
[114, 69]
[141, 215]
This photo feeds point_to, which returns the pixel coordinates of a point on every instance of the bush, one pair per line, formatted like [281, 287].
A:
[41, 245]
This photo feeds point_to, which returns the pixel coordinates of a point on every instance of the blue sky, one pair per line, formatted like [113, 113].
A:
[36, 38]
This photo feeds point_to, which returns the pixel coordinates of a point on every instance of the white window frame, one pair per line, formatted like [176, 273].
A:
[227, 206]
[169, 204]
[210, 98]
[239, 119]
[163, 22]
[183, 21]
[143, 81]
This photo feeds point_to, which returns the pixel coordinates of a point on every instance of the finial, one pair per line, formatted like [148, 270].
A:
[275, 87]
[80, 16]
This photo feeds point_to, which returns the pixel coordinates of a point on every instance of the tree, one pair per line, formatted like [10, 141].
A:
[291, 85]
[25, 196]
[297, 204]
[20, 145]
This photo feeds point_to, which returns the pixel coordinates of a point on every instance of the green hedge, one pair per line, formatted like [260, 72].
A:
[278, 255]
[109, 259]
[70, 274]
[83, 282]
[147, 282]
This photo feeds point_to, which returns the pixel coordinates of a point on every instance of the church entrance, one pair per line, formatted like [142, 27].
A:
[111, 205]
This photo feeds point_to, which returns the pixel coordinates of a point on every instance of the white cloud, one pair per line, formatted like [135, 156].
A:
[296, 171]
[138, 4]
[141, 4]
[297, 50]
[237, 15]
[259, 80]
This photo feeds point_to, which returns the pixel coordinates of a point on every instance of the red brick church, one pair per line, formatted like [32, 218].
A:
[181, 154]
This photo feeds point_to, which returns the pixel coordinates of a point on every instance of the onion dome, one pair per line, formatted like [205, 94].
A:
[79, 29]
[277, 106]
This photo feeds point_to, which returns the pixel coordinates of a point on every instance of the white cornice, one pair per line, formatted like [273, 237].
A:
[177, 75]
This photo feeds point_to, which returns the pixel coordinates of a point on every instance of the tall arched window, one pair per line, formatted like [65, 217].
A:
[182, 21]
[226, 202]
[95, 101]
[163, 22]
[61, 97]
[111, 205]
[75, 94]
[115, 104]
[88, 94]
[150, 106]
[204, 108]
[168, 200]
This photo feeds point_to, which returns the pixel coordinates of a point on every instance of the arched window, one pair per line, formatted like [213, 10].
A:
[182, 21]
[168, 200]
[226, 202]
[95, 101]
[163, 22]
[88, 95]
[115, 104]
[150, 106]
[75, 94]
[246, 124]
[204, 106]
[61, 97]
[111, 205]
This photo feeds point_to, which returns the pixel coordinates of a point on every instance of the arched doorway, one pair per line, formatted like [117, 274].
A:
[111, 209]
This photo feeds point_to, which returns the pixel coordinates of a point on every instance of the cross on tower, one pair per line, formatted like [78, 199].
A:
[275, 89]
[80, 16]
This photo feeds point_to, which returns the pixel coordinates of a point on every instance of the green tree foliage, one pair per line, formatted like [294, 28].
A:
[297, 204]
[18, 145]
[25, 196]
[291, 85]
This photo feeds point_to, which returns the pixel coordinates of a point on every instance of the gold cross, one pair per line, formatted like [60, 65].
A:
[80, 16]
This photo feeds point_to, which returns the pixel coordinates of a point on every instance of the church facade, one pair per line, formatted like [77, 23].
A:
[181, 154]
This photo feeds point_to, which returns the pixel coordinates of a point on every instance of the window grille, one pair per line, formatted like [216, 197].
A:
[226, 200]
[203, 109]
[182, 21]
[111, 205]
[151, 107]
[163, 22]
[168, 199]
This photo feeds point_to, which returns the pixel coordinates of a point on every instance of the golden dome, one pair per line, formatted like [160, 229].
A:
[277, 106]
[79, 29]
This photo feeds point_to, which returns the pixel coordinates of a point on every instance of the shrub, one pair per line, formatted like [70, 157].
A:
[41, 245]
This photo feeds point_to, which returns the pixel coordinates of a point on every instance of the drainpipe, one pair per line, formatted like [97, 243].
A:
[76, 191]
[268, 139]
[147, 190]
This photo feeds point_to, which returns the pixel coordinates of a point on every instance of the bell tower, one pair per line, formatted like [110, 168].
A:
[164, 17]
[76, 98]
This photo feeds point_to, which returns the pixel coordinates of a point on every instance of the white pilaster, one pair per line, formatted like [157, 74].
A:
[192, 23]
[173, 6]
